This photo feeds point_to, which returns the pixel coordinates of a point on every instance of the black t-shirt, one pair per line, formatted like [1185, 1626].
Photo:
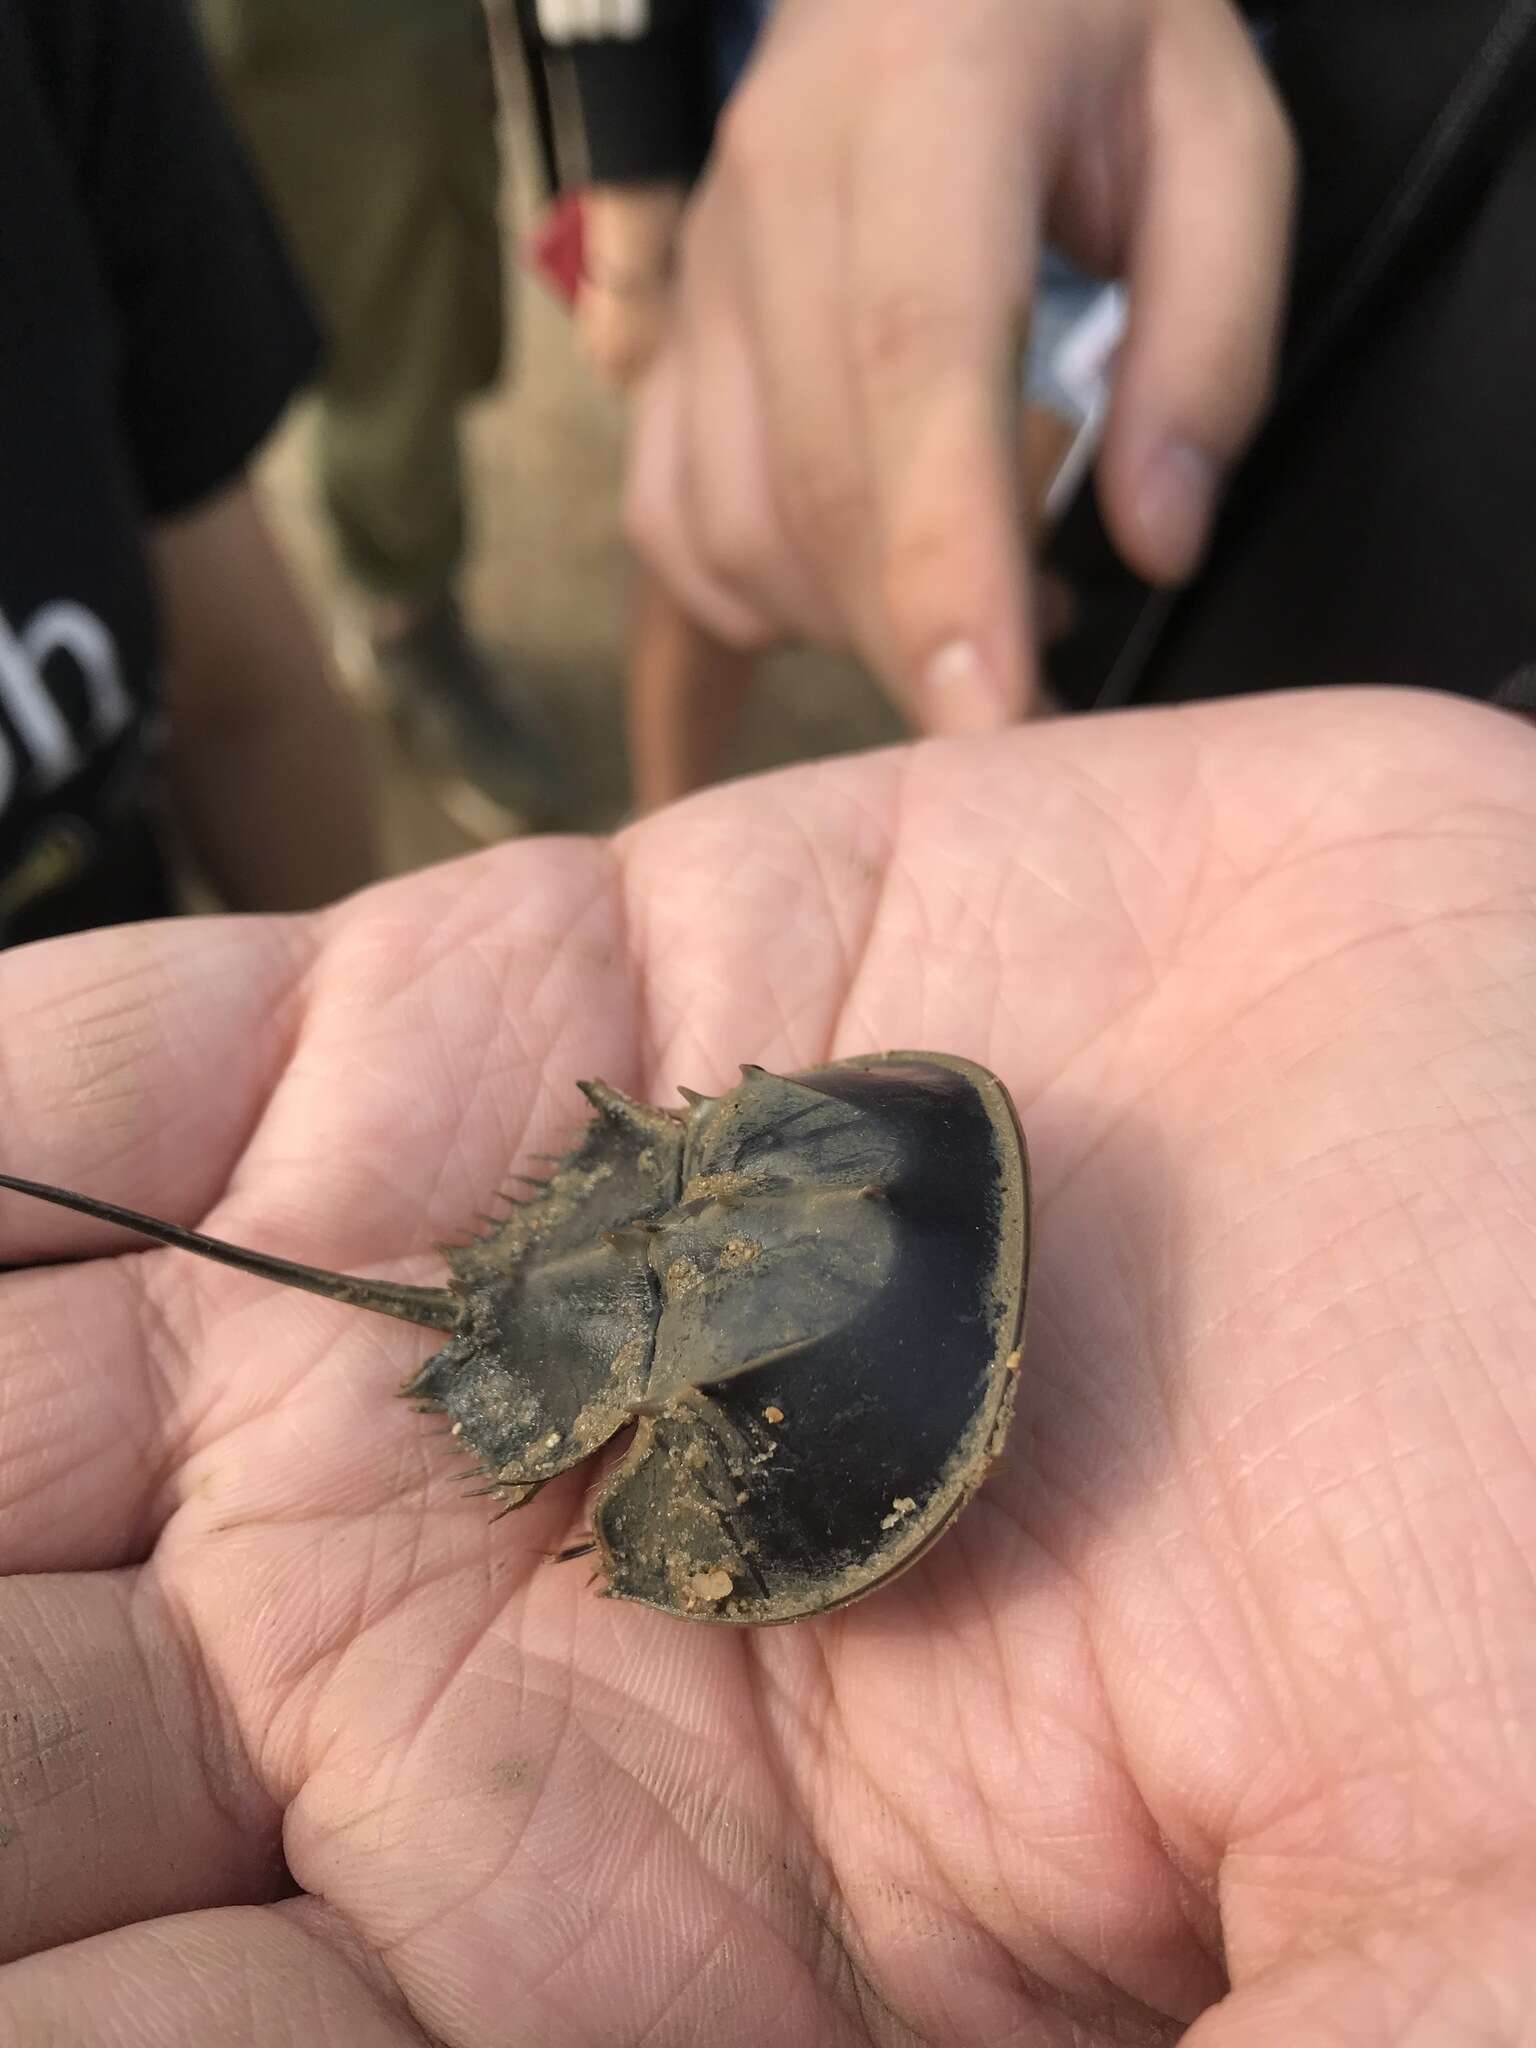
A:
[151, 333]
[1380, 529]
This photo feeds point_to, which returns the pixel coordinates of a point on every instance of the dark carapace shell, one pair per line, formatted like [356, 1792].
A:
[806, 1295]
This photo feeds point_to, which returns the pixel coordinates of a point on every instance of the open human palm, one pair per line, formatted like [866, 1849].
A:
[1227, 1678]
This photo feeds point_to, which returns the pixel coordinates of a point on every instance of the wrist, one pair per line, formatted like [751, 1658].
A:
[620, 282]
[631, 233]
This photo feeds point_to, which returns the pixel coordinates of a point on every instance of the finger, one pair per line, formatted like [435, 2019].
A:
[1208, 268]
[139, 1058]
[447, 1018]
[758, 968]
[658, 516]
[785, 199]
[85, 1420]
[282, 1976]
[738, 531]
[941, 262]
[123, 1795]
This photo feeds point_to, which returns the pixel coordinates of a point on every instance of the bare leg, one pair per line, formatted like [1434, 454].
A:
[686, 695]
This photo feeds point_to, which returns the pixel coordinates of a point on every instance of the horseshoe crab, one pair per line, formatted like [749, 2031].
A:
[805, 1296]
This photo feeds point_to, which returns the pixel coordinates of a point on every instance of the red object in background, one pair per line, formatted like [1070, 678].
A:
[557, 248]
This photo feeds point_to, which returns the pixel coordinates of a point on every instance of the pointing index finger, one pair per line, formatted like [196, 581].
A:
[945, 224]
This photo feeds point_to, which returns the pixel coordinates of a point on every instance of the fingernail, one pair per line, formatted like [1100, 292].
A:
[958, 693]
[1174, 507]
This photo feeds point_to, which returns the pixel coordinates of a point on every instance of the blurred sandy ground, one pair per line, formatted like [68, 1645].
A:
[548, 579]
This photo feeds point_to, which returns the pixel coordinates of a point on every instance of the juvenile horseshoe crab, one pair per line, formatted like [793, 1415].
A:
[807, 1296]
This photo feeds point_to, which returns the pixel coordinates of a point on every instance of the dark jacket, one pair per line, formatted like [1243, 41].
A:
[1383, 528]
[151, 335]
[646, 95]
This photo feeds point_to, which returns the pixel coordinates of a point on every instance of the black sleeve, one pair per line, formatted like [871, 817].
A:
[214, 334]
[646, 105]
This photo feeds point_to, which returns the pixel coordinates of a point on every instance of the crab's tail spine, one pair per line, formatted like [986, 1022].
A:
[434, 1308]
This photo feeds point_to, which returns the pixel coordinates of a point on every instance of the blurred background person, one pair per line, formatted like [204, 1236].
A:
[374, 125]
[158, 675]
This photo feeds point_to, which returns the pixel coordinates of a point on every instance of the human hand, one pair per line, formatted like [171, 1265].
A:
[1229, 1671]
[626, 291]
[825, 448]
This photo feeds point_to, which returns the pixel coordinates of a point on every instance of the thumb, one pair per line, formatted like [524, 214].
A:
[933, 321]
[1454, 1964]
[1208, 271]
